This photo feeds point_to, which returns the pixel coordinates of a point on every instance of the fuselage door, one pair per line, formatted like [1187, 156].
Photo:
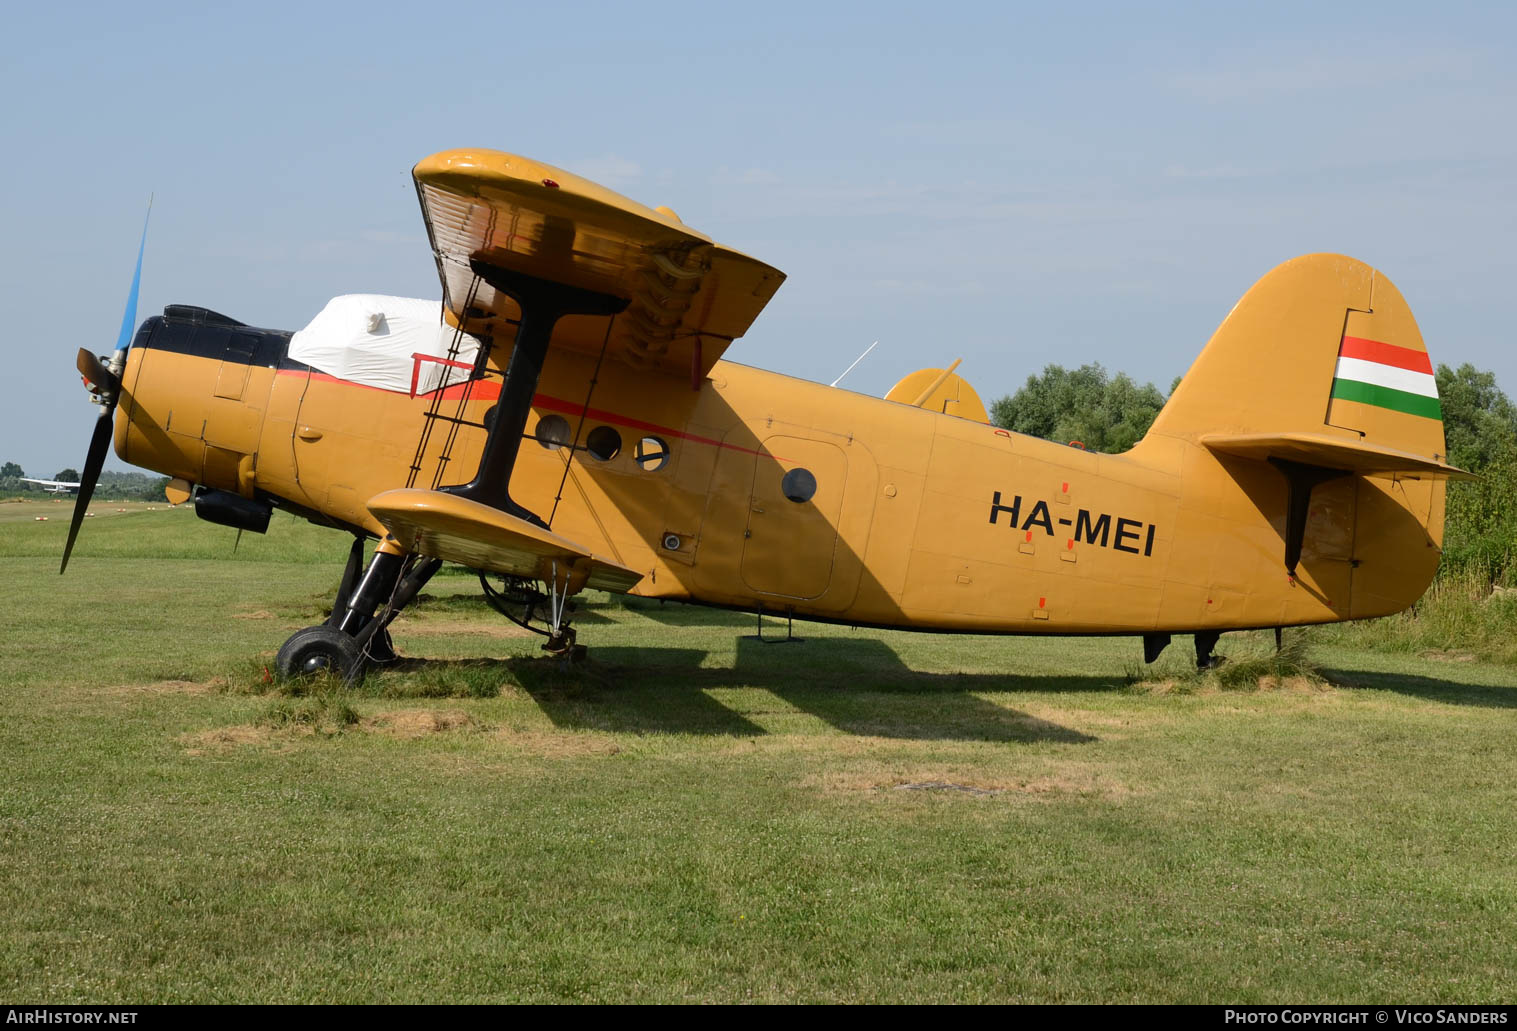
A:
[793, 507]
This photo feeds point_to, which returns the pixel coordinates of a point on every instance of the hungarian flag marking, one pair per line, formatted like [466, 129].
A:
[1386, 376]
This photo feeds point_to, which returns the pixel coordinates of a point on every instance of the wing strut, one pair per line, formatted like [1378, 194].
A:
[542, 302]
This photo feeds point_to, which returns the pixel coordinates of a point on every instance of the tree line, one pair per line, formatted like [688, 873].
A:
[1112, 413]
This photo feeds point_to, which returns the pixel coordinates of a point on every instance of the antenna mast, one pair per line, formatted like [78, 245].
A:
[860, 358]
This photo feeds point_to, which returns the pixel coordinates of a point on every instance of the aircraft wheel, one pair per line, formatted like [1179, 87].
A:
[317, 649]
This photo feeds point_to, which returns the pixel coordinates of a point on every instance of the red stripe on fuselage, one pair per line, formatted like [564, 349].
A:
[488, 390]
[1386, 354]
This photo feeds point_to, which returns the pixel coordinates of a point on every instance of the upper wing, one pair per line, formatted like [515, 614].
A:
[688, 297]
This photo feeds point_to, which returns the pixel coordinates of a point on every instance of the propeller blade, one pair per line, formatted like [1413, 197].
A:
[106, 382]
[99, 443]
[129, 317]
[94, 370]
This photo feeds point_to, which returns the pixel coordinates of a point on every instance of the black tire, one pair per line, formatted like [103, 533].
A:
[317, 649]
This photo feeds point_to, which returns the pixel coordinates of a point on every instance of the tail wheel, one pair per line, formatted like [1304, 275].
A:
[317, 649]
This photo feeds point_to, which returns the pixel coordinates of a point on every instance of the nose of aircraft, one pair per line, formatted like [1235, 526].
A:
[104, 380]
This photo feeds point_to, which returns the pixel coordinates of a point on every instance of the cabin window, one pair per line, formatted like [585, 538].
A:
[604, 443]
[651, 453]
[552, 432]
[798, 485]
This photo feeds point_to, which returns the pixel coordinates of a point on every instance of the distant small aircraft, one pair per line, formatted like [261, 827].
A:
[563, 420]
[53, 486]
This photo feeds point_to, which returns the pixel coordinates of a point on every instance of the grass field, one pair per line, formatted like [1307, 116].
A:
[693, 815]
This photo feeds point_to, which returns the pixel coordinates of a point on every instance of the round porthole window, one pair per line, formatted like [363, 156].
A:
[651, 453]
[552, 432]
[604, 443]
[798, 485]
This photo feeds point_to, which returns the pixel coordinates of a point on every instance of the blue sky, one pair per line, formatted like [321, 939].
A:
[1013, 185]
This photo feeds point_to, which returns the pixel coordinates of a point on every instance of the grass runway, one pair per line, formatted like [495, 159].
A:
[695, 816]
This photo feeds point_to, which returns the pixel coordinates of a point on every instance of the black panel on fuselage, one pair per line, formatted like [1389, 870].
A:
[183, 329]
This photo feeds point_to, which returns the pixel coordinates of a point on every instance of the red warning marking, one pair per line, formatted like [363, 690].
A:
[1042, 602]
[1071, 544]
[1029, 536]
[1064, 489]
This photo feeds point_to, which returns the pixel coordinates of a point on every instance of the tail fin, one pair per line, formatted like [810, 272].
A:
[1322, 347]
[1320, 372]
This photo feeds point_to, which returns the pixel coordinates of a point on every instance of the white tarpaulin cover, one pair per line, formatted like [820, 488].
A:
[370, 339]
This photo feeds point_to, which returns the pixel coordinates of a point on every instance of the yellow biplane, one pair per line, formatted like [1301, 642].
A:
[564, 419]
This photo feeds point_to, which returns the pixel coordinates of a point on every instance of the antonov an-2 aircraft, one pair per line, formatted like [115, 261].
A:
[565, 419]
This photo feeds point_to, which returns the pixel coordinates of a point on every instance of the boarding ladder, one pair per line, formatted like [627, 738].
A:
[480, 371]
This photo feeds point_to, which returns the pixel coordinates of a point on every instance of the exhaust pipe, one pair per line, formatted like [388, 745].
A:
[227, 509]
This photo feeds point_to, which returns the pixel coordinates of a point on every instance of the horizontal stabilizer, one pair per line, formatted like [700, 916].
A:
[456, 529]
[1330, 452]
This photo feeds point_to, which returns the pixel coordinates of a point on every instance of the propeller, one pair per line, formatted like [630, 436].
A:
[104, 380]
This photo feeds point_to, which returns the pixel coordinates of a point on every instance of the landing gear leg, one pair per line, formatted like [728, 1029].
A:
[354, 636]
[522, 603]
[348, 582]
[1206, 640]
[561, 635]
[413, 577]
[381, 649]
[1153, 644]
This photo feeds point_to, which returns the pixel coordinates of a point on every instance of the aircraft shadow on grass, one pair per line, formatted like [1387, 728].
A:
[1430, 689]
[866, 691]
